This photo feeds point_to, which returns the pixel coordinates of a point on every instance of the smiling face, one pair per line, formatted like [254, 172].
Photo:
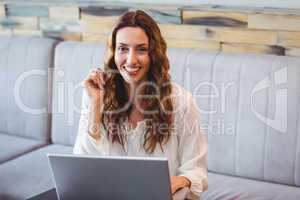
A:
[132, 55]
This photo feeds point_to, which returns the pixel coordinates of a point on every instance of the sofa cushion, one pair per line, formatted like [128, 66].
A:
[12, 146]
[73, 61]
[229, 187]
[29, 174]
[24, 66]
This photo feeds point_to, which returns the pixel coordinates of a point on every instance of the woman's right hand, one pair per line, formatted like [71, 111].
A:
[94, 84]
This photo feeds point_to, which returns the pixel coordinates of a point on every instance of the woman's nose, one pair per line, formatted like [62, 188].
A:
[131, 58]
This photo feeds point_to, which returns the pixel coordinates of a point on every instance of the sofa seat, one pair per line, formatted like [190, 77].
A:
[29, 174]
[13, 146]
[225, 187]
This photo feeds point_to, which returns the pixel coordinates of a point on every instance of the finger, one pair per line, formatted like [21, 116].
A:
[88, 83]
[100, 75]
[92, 79]
[95, 78]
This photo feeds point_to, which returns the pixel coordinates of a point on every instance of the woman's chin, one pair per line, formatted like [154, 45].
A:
[132, 81]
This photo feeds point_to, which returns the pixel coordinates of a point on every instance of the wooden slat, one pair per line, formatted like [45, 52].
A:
[99, 20]
[224, 34]
[165, 16]
[61, 25]
[246, 48]
[233, 35]
[274, 22]
[27, 32]
[94, 11]
[2, 10]
[20, 22]
[61, 28]
[211, 18]
[183, 32]
[244, 9]
[27, 10]
[177, 43]
[64, 12]
[101, 25]
[289, 39]
[94, 37]
[62, 35]
[292, 51]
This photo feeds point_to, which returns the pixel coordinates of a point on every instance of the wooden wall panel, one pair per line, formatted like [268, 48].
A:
[62, 29]
[234, 35]
[250, 48]
[92, 37]
[62, 35]
[234, 29]
[61, 25]
[210, 18]
[231, 35]
[96, 24]
[70, 12]
[178, 43]
[188, 32]
[27, 10]
[30, 23]
[289, 39]
[2, 10]
[274, 22]
[292, 51]
[165, 16]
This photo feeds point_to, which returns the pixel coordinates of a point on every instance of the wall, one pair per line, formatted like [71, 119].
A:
[244, 3]
[228, 29]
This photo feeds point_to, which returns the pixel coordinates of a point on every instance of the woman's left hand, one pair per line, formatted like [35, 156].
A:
[178, 182]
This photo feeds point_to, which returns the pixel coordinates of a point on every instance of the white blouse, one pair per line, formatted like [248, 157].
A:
[186, 149]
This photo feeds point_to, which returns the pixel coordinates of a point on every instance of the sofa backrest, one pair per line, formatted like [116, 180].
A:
[250, 107]
[73, 60]
[249, 104]
[24, 70]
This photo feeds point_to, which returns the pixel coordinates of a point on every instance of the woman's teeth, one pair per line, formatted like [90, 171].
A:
[132, 69]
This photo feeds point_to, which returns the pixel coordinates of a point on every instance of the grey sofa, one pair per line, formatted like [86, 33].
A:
[254, 149]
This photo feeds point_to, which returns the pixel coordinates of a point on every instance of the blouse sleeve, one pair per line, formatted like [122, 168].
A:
[85, 144]
[193, 150]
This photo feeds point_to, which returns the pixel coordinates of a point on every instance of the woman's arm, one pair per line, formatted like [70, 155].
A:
[94, 85]
[192, 149]
[89, 138]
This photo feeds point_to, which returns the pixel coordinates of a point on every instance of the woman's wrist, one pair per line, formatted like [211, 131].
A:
[95, 118]
[94, 131]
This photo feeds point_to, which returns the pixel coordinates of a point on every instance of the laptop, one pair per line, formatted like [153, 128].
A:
[80, 177]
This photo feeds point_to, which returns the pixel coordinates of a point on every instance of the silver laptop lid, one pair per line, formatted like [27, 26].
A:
[80, 177]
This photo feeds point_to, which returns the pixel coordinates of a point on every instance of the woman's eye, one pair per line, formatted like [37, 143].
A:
[122, 49]
[143, 50]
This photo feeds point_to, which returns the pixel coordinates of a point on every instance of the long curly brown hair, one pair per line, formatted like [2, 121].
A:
[116, 97]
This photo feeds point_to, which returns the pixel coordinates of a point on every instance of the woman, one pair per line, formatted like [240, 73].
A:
[132, 108]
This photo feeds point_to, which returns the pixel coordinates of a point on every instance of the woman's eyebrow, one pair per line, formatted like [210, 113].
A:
[143, 44]
[123, 44]
[138, 45]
